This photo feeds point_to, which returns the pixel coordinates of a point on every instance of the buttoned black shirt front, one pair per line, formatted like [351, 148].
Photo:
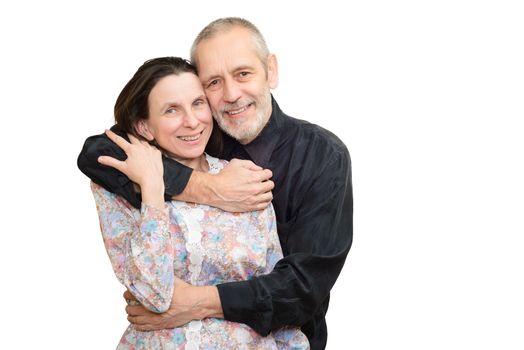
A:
[314, 208]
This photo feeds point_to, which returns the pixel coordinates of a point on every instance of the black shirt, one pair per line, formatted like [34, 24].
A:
[314, 209]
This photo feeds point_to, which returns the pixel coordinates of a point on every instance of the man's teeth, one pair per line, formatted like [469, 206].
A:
[237, 111]
[189, 138]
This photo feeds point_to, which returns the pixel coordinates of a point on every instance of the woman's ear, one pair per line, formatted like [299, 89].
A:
[142, 129]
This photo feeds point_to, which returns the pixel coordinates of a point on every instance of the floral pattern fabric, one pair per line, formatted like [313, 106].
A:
[200, 244]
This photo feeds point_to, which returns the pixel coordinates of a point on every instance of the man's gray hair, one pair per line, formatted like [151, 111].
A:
[225, 24]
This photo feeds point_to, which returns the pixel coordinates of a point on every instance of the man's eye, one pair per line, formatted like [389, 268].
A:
[212, 83]
[171, 110]
[244, 74]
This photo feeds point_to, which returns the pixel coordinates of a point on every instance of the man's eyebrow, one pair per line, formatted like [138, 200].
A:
[243, 67]
[236, 69]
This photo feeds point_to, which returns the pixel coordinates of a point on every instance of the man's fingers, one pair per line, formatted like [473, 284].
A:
[144, 328]
[120, 141]
[137, 310]
[259, 173]
[265, 186]
[263, 175]
[265, 198]
[262, 201]
[261, 206]
[246, 164]
[137, 320]
[147, 327]
[112, 162]
[143, 323]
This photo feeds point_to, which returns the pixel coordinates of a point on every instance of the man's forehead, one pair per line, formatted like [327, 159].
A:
[218, 62]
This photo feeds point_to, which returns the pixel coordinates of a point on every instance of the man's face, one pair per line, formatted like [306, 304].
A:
[236, 83]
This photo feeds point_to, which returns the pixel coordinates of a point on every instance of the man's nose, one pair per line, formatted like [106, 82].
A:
[231, 91]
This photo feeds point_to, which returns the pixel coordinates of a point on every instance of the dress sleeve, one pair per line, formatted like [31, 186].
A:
[176, 175]
[315, 247]
[139, 246]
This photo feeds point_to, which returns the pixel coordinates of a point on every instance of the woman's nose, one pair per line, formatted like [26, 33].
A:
[190, 120]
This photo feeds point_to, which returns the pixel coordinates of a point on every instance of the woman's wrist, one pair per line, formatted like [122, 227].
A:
[153, 194]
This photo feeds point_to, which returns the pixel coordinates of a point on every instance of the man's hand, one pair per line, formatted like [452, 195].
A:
[188, 303]
[241, 186]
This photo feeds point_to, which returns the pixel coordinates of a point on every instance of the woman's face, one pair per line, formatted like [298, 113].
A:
[179, 117]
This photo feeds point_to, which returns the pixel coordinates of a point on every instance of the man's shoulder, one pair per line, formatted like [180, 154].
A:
[312, 135]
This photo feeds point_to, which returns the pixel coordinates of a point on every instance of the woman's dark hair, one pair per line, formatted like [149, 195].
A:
[132, 104]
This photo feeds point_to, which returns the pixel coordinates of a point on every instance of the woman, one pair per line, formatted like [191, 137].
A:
[164, 105]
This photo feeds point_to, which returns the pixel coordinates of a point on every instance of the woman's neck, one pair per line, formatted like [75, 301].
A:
[198, 163]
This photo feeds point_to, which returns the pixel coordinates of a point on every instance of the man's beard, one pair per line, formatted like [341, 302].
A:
[244, 130]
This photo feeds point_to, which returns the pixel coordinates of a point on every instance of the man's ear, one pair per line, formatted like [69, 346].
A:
[272, 71]
[142, 129]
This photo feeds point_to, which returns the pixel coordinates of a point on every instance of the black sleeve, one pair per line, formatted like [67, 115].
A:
[317, 244]
[176, 175]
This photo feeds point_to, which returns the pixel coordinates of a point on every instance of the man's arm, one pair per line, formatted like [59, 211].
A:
[317, 246]
[188, 303]
[241, 186]
[315, 250]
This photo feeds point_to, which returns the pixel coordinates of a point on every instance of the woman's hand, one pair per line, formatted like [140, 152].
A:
[143, 166]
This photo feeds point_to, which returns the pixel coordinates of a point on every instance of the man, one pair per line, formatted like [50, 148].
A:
[312, 192]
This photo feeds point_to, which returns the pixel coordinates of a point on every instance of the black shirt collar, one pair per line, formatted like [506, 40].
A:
[261, 148]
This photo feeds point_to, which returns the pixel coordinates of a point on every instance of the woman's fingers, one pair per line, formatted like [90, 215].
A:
[134, 140]
[128, 295]
[143, 163]
[120, 141]
[112, 162]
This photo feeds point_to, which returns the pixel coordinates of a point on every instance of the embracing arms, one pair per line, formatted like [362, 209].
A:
[241, 186]
[316, 242]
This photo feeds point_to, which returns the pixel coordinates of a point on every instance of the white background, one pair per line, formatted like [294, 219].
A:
[427, 95]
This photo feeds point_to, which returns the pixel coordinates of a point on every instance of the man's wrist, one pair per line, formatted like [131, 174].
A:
[206, 303]
[198, 189]
[212, 307]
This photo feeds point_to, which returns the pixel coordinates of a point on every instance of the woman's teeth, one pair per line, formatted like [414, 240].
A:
[189, 138]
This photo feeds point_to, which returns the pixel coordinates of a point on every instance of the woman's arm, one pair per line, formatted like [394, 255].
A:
[139, 243]
[176, 175]
[139, 246]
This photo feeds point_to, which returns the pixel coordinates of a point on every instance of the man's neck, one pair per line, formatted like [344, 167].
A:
[249, 140]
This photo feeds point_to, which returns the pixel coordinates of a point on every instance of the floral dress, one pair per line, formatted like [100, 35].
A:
[200, 244]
